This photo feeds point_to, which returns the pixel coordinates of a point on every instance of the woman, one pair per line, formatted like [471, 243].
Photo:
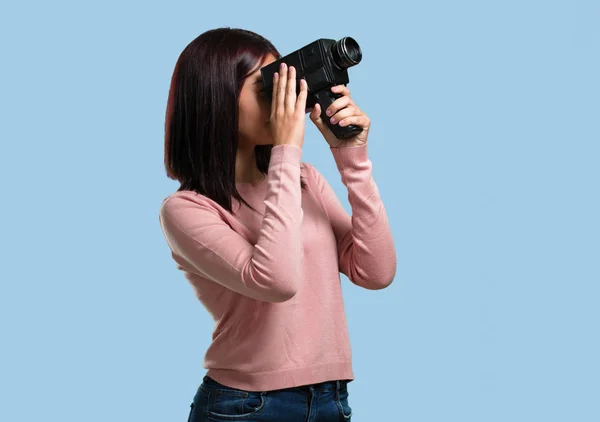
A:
[261, 236]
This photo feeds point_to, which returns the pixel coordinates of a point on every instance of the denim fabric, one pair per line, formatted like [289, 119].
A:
[323, 402]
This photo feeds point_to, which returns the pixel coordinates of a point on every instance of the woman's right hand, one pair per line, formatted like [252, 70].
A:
[288, 116]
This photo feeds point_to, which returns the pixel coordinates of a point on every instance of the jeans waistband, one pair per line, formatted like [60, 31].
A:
[321, 386]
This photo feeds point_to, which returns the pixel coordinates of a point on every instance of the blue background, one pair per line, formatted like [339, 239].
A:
[485, 147]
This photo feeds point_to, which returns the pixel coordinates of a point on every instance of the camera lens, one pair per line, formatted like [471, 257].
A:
[346, 53]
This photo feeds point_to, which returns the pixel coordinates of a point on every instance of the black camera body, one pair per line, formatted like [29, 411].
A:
[323, 64]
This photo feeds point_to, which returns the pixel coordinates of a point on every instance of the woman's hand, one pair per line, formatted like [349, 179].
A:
[288, 115]
[344, 112]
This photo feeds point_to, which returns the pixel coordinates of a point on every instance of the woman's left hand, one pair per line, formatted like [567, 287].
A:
[344, 112]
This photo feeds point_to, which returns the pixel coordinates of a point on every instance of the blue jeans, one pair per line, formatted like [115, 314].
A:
[323, 402]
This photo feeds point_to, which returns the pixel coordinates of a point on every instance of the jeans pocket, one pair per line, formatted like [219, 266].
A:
[233, 404]
[342, 401]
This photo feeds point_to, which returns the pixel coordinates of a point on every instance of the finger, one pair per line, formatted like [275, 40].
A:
[316, 118]
[341, 89]
[316, 112]
[360, 120]
[342, 114]
[281, 88]
[338, 104]
[301, 101]
[290, 95]
[274, 93]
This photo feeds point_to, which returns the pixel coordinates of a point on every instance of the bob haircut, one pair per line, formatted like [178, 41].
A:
[201, 123]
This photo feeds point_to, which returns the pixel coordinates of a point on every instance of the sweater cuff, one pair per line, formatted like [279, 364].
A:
[350, 157]
[286, 154]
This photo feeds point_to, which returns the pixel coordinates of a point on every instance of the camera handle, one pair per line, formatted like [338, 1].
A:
[325, 97]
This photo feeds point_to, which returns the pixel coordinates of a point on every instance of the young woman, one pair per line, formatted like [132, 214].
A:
[262, 237]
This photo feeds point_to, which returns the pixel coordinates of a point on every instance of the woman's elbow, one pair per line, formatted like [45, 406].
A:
[282, 295]
[285, 289]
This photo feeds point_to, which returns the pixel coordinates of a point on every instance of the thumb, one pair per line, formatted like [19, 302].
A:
[315, 116]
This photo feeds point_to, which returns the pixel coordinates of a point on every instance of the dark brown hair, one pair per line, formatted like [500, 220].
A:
[201, 124]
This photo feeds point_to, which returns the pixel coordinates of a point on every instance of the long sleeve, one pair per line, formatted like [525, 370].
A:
[268, 271]
[366, 249]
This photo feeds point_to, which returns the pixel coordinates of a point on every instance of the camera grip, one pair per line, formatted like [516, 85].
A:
[325, 98]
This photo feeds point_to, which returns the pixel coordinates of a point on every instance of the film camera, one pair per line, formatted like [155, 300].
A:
[323, 64]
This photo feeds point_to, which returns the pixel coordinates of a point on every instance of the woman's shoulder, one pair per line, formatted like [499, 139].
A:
[186, 195]
[184, 198]
[187, 198]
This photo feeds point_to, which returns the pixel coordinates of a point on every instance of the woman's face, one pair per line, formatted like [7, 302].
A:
[254, 109]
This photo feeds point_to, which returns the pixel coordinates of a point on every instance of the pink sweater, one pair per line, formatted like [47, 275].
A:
[271, 282]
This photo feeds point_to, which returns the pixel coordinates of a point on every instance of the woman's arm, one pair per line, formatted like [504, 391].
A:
[366, 249]
[269, 271]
